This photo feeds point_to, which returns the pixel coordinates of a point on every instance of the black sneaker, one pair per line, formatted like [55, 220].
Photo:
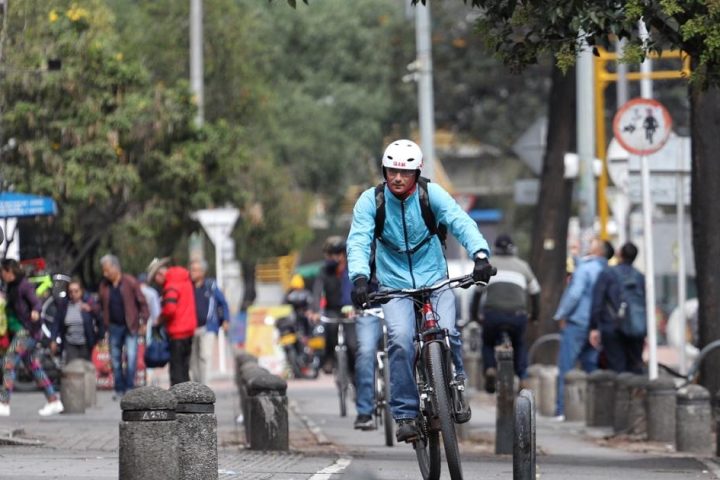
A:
[490, 375]
[461, 408]
[364, 422]
[406, 431]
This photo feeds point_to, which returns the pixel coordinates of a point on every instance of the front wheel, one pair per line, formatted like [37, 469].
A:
[443, 407]
[427, 451]
[342, 379]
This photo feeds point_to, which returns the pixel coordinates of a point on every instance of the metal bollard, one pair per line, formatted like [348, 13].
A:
[622, 402]
[600, 404]
[148, 435]
[90, 384]
[472, 359]
[196, 430]
[575, 392]
[637, 420]
[524, 449]
[548, 390]
[693, 420]
[505, 398]
[661, 405]
[268, 413]
[72, 387]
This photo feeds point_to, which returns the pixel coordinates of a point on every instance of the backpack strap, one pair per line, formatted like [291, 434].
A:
[425, 210]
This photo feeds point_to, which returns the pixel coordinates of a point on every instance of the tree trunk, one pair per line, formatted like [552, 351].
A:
[705, 125]
[550, 226]
[248, 277]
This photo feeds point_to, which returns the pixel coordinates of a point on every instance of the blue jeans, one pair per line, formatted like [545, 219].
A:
[493, 324]
[120, 336]
[368, 330]
[400, 320]
[574, 346]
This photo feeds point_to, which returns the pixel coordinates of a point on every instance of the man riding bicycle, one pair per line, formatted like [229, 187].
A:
[408, 253]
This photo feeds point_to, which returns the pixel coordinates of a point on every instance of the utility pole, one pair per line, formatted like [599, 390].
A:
[196, 58]
[585, 138]
[425, 87]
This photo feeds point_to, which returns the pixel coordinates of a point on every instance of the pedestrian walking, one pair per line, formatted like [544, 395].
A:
[618, 321]
[23, 304]
[125, 313]
[78, 322]
[152, 298]
[212, 313]
[178, 314]
[573, 317]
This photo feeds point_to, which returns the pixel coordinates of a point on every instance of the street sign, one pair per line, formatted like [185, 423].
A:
[530, 147]
[642, 126]
[217, 222]
[14, 204]
[663, 189]
[673, 157]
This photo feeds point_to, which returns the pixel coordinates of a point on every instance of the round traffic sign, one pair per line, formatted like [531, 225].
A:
[642, 126]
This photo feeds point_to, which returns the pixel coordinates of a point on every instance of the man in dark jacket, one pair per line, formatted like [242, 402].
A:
[623, 352]
[178, 314]
[125, 312]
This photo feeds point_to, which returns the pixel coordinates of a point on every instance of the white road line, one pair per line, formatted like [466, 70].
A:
[337, 467]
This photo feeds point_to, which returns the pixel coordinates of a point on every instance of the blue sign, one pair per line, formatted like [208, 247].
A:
[13, 204]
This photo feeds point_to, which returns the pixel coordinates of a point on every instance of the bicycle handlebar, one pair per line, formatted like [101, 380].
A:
[464, 281]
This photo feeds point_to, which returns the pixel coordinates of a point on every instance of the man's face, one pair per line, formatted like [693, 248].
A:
[197, 273]
[400, 181]
[110, 271]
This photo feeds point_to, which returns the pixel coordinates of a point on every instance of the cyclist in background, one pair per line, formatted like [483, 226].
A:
[409, 255]
[506, 308]
[331, 292]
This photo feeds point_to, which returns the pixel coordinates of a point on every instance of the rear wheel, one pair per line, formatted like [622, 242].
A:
[443, 407]
[342, 379]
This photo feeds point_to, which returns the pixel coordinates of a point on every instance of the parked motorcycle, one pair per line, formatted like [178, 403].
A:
[301, 358]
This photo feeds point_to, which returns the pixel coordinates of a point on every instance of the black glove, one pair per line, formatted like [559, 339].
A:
[483, 270]
[359, 292]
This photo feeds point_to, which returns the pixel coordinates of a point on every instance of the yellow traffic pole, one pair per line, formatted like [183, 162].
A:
[600, 141]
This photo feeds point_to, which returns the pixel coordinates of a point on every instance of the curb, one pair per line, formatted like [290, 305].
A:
[317, 432]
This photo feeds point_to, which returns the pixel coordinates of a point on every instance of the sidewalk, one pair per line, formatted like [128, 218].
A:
[566, 444]
[85, 446]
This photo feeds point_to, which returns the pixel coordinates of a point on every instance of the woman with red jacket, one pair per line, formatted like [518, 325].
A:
[178, 314]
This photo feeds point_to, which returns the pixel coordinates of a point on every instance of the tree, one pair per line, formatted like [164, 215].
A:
[522, 31]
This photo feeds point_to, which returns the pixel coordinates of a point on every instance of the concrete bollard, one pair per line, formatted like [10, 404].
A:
[248, 372]
[524, 450]
[72, 387]
[637, 420]
[622, 402]
[548, 390]
[90, 384]
[148, 435]
[600, 398]
[196, 430]
[532, 382]
[267, 421]
[661, 405]
[241, 359]
[693, 420]
[575, 393]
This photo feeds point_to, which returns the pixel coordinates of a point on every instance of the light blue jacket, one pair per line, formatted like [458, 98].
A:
[404, 229]
[576, 302]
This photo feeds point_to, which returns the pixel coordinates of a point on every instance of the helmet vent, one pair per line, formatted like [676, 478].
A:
[390, 157]
[410, 159]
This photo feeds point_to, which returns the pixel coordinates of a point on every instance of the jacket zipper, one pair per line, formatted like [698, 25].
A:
[407, 244]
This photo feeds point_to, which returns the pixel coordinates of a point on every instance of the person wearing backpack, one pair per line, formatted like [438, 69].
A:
[400, 222]
[618, 320]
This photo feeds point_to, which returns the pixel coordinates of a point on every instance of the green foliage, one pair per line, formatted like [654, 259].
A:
[523, 31]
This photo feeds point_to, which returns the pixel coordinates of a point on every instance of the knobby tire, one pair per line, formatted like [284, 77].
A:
[386, 415]
[443, 406]
[342, 380]
[427, 449]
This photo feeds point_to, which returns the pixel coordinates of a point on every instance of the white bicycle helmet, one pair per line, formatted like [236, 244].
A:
[404, 155]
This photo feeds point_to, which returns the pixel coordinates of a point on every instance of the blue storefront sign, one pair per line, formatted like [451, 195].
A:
[13, 204]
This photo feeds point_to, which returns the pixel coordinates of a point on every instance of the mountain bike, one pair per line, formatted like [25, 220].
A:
[343, 380]
[435, 380]
[382, 414]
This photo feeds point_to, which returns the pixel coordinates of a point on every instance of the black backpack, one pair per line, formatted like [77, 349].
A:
[630, 315]
[427, 214]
